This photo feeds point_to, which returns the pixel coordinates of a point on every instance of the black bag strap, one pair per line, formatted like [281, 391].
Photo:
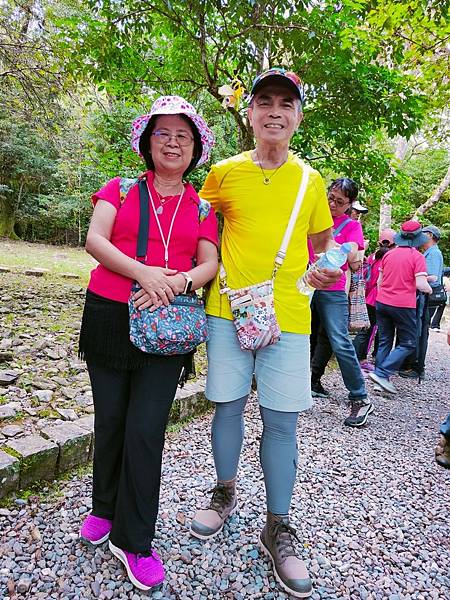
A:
[144, 217]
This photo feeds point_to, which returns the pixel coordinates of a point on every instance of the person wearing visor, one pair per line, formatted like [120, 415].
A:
[403, 271]
[356, 211]
[372, 266]
[132, 390]
[255, 192]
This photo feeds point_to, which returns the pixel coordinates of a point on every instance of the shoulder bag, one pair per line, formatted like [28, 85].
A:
[358, 317]
[438, 295]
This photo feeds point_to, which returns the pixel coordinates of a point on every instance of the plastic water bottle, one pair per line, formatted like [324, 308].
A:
[331, 259]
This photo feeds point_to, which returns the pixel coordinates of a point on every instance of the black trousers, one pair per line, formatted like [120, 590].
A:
[362, 338]
[131, 413]
[436, 313]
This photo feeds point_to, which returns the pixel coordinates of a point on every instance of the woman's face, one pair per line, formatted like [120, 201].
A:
[171, 145]
[339, 203]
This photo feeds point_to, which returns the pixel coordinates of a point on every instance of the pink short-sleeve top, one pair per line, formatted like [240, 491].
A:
[351, 232]
[195, 220]
[400, 267]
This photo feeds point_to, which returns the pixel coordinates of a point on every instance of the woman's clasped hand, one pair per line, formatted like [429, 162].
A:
[159, 286]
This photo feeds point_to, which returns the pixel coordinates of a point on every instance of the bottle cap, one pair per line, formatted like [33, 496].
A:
[346, 247]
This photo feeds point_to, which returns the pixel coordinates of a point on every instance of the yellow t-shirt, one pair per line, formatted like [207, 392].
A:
[255, 219]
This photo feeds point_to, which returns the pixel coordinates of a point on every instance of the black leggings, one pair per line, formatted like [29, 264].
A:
[131, 413]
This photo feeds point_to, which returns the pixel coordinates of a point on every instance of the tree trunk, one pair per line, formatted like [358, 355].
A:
[7, 219]
[385, 214]
[423, 208]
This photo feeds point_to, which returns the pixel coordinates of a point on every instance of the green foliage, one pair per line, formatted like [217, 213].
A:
[424, 173]
[76, 72]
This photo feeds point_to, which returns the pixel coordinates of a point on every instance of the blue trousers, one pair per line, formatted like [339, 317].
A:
[332, 308]
[392, 321]
[445, 427]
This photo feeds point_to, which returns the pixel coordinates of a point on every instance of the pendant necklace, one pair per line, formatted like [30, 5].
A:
[163, 200]
[267, 179]
[165, 240]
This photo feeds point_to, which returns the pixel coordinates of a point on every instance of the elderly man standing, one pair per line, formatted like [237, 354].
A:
[255, 191]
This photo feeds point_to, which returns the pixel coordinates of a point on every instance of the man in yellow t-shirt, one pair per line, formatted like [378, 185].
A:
[255, 192]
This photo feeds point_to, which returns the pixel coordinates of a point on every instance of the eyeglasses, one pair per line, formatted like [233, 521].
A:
[340, 203]
[163, 137]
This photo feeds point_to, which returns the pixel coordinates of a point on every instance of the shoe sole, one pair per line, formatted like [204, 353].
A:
[366, 416]
[202, 537]
[319, 395]
[89, 542]
[287, 589]
[118, 553]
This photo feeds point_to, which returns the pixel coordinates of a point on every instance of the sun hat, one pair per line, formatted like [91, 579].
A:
[356, 205]
[174, 105]
[435, 232]
[278, 75]
[411, 235]
[387, 235]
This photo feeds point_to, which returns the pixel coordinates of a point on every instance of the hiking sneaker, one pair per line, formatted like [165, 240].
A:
[277, 542]
[366, 366]
[359, 412]
[95, 530]
[210, 521]
[411, 374]
[384, 383]
[318, 391]
[145, 572]
[442, 452]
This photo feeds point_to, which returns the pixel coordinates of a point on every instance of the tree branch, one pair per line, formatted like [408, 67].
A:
[423, 208]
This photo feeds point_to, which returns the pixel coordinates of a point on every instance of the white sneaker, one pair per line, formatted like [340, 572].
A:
[384, 383]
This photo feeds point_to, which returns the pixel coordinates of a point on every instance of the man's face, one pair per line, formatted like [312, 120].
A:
[338, 202]
[430, 241]
[274, 115]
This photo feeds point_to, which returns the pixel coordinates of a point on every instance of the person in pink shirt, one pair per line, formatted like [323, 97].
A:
[403, 271]
[331, 308]
[372, 270]
[133, 391]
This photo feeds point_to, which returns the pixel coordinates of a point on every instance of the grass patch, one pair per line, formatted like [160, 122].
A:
[45, 491]
[20, 256]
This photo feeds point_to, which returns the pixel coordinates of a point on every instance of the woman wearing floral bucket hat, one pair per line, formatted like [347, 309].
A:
[133, 390]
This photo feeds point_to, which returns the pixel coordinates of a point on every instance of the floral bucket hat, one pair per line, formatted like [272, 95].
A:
[174, 105]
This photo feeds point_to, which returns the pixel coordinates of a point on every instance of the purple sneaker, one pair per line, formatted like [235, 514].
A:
[144, 572]
[95, 530]
[366, 366]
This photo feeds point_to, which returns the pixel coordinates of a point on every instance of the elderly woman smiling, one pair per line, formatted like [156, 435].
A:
[133, 391]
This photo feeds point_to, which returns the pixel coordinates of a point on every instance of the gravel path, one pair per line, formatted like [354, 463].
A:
[370, 505]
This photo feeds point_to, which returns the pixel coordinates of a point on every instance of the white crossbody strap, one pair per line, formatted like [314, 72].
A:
[281, 254]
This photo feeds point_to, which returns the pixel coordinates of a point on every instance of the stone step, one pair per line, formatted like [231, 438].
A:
[63, 446]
